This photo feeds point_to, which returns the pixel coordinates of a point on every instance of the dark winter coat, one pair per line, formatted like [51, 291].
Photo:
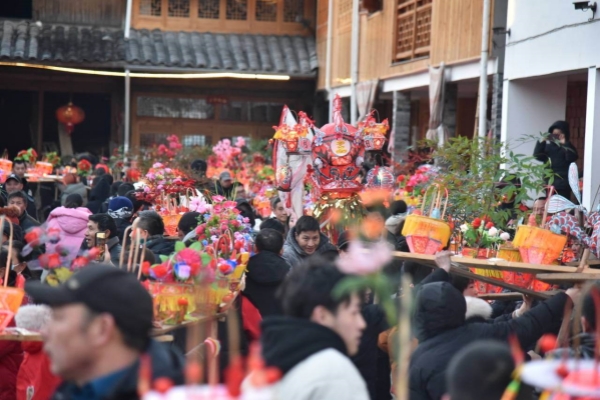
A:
[27, 222]
[98, 195]
[375, 373]
[160, 246]
[293, 253]
[560, 156]
[265, 272]
[442, 331]
[166, 363]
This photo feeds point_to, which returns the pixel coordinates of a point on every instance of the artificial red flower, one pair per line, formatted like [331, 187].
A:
[80, 262]
[160, 271]
[523, 208]
[489, 225]
[476, 223]
[33, 236]
[146, 268]
[401, 178]
[409, 189]
[93, 253]
[53, 261]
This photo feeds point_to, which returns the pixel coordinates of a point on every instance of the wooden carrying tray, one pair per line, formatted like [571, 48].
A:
[458, 263]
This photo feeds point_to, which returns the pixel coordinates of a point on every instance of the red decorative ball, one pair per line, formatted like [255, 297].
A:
[547, 342]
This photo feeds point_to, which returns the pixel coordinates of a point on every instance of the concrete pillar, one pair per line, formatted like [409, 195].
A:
[497, 88]
[450, 104]
[591, 166]
[401, 124]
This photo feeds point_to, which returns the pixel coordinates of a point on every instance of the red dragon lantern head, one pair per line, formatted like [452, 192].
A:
[338, 153]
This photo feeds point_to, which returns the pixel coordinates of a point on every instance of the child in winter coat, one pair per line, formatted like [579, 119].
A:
[71, 220]
[34, 381]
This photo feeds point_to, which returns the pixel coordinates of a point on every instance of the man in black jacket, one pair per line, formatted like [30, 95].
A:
[442, 331]
[561, 155]
[99, 335]
[153, 229]
[266, 270]
[103, 223]
[19, 200]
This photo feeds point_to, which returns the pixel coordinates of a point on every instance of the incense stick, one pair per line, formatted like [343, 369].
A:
[142, 259]
[125, 236]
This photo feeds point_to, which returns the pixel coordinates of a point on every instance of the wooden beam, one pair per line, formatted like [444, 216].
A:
[512, 296]
[492, 264]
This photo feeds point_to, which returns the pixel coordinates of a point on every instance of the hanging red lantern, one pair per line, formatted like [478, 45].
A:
[70, 115]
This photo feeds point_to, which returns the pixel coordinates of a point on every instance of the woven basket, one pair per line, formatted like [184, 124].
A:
[166, 296]
[43, 168]
[519, 279]
[426, 235]
[539, 246]
[208, 298]
[6, 168]
[171, 221]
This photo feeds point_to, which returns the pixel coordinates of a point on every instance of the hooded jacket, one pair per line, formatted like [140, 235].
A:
[166, 363]
[72, 224]
[78, 188]
[442, 331]
[265, 272]
[312, 359]
[560, 156]
[293, 253]
[35, 381]
[160, 246]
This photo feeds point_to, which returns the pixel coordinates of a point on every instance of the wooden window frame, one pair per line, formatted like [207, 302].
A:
[222, 24]
[414, 52]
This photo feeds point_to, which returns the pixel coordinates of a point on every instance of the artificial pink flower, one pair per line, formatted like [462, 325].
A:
[361, 260]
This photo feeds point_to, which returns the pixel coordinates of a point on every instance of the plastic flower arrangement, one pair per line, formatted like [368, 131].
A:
[52, 158]
[186, 265]
[164, 180]
[412, 187]
[481, 233]
[223, 218]
[226, 157]
[172, 147]
[29, 156]
[84, 167]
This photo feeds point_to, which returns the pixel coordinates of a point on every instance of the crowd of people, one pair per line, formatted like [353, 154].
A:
[96, 326]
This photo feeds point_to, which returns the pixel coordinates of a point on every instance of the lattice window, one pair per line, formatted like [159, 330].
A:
[168, 107]
[151, 7]
[266, 10]
[345, 13]
[292, 9]
[209, 9]
[413, 29]
[237, 10]
[179, 8]
[195, 140]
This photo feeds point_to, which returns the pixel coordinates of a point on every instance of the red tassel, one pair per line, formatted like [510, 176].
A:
[145, 375]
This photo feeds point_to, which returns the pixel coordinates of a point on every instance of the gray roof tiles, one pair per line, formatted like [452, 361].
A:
[28, 41]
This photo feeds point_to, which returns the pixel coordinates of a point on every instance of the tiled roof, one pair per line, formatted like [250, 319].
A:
[28, 41]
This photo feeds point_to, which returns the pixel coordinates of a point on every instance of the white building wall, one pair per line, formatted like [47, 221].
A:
[530, 107]
[550, 36]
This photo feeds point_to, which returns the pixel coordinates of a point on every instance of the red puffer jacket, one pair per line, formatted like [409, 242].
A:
[35, 381]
